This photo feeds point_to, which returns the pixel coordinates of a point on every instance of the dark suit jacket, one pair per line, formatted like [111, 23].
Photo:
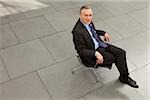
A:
[84, 44]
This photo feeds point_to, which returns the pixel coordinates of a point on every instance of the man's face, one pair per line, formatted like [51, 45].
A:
[86, 15]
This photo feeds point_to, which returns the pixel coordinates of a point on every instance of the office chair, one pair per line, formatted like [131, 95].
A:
[93, 69]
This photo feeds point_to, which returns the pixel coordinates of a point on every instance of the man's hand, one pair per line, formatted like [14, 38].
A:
[106, 37]
[99, 58]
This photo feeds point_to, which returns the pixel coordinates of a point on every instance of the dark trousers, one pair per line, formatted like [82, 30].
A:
[113, 54]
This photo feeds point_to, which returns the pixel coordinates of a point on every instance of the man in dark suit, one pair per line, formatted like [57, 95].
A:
[92, 49]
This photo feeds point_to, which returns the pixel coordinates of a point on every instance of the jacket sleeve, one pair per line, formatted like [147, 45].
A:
[100, 32]
[80, 45]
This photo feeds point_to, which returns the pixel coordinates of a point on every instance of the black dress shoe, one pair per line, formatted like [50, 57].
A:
[132, 80]
[121, 78]
[129, 81]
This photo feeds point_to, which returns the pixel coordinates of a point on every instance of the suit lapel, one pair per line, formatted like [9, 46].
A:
[86, 32]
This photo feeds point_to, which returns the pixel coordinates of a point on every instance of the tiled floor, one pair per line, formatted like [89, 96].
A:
[37, 54]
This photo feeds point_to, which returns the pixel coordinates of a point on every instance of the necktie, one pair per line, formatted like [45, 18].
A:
[95, 35]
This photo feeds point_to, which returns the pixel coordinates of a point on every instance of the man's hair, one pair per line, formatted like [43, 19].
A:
[84, 7]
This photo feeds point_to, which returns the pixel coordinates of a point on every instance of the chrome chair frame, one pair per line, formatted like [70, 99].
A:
[93, 70]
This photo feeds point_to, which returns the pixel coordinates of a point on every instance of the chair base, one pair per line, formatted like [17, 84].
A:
[94, 72]
[91, 69]
[78, 68]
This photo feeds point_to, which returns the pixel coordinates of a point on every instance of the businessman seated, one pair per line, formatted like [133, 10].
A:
[92, 49]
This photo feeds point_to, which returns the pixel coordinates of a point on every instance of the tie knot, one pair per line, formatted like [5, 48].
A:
[90, 25]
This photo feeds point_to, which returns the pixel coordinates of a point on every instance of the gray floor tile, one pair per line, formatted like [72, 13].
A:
[142, 76]
[146, 36]
[25, 88]
[3, 73]
[61, 5]
[138, 4]
[3, 20]
[60, 45]
[39, 12]
[118, 8]
[131, 66]
[63, 85]
[62, 20]
[148, 82]
[25, 5]
[15, 17]
[100, 12]
[24, 58]
[4, 11]
[81, 99]
[114, 91]
[7, 37]
[125, 25]
[137, 49]
[32, 28]
[78, 4]
[141, 16]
